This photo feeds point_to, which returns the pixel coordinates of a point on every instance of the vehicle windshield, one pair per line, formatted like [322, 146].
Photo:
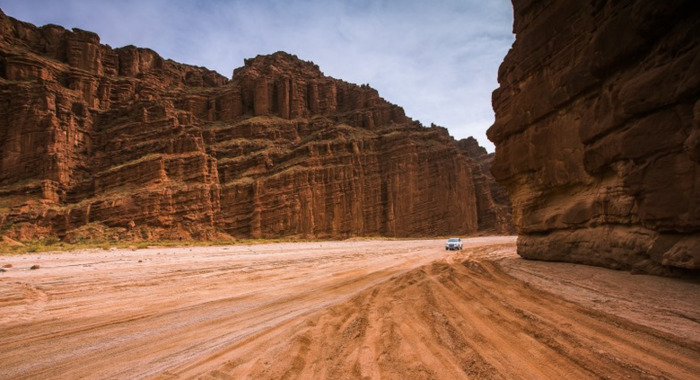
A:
[453, 240]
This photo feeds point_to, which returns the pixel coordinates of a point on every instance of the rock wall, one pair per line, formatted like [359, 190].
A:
[597, 132]
[121, 141]
[493, 207]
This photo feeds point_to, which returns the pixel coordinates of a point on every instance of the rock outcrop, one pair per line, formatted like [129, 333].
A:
[597, 133]
[492, 204]
[96, 140]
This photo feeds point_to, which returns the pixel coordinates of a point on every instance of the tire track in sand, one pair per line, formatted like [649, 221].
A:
[468, 319]
[23, 301]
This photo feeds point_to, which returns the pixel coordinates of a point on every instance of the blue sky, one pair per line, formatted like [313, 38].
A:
[437, 59]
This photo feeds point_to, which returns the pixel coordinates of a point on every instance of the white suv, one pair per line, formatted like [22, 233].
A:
[453, 244]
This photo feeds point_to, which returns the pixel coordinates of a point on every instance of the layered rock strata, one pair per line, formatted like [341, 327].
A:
[96, 140]
[597, 133]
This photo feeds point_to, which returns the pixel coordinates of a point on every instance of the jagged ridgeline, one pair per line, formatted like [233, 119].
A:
[96, 140]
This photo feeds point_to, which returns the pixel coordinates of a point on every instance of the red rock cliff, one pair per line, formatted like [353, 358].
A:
[156, 149]
[597, 132]
[493, 207]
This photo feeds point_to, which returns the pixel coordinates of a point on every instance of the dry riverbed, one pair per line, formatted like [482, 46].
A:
[353, 309]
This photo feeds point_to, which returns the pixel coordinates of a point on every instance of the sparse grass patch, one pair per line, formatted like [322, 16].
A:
[55, 245]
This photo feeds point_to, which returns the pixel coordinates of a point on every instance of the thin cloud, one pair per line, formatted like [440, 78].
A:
[438, 60]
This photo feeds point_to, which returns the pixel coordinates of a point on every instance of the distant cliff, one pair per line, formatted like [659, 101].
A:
[121, 141]
[597, 132]
[493, 207]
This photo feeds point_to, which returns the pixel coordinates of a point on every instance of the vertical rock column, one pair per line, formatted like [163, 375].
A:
[261, 98]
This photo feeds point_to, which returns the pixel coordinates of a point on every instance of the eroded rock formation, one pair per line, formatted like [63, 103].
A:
[597, 132]
[97, 140]
[492, 203]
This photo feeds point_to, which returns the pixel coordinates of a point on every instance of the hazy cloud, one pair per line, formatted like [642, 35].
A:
[438, 60]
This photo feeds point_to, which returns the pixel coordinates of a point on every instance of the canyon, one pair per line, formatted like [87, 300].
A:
[126, 145]
[597, 133]
[596, 138]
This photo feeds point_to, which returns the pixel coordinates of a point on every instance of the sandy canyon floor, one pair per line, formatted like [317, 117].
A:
[336, 310]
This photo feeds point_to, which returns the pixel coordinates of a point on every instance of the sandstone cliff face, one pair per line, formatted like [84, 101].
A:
[597, 132]
[495, 215]
[95, 138]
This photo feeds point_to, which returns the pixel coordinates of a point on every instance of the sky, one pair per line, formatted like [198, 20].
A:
[437, 59]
